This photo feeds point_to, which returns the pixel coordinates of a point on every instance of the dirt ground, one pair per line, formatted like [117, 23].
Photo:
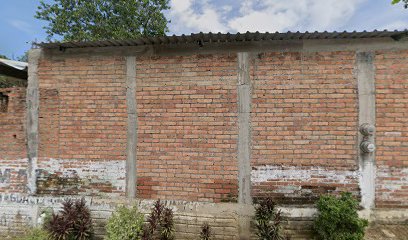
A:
[393, 232]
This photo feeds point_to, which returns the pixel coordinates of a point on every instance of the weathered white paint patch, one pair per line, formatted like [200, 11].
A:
[289, 173]
[393, 134]
[296, 212]
[367, 184]
[391, 180]
[13, 217]
[100, 171]
[13, 172]
[31, 179]
[390, 216]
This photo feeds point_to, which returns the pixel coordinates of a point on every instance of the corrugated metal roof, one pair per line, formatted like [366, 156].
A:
[14, 64]
[13, 68]
[227, 37]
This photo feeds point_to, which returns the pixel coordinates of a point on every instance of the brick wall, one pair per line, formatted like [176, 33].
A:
[187, 127]
[303, 125]
[12, 122]
[82, 125]
[304, 120]
[392, 129]
[13, 155]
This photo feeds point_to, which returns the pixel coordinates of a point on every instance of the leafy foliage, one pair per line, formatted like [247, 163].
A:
[78, 20]
[125, 224]
[268, 220]
[205, 233]
[74, 222]
[338, 218]
[398, 1]
[8, 82]
[159, 224]
[45, 217]
[167, 225]
[24, 57]
[34, 234]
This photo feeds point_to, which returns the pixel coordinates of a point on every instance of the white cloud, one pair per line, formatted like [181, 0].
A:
[21, 25]
[397, 25]
[272, 15]
[185, 18]
[261, 15]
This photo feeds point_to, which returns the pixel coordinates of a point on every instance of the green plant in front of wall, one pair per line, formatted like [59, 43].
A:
[39, 232]
[8, 82]
[73, 222]
[45, 217]
[338, 218]
[205, 233]
[268, 220]
[36, 233]
[125, 224]
[160, 225]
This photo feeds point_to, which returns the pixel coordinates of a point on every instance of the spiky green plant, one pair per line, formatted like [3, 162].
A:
[268, 220]
[205, 233]
[159, 224]
[74, 222]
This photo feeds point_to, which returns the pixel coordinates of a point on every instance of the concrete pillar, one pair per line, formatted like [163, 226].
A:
[32, 99]
[244, 135]
[366, 102]
[244, 141]
[131, 157]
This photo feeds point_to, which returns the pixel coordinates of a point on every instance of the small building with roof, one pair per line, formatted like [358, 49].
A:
[212, 123]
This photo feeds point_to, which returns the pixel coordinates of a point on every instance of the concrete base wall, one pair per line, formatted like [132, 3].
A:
[19, 211]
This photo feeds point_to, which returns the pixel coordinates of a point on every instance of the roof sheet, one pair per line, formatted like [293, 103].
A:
[13, 68]
[14, 64]
[226, 37]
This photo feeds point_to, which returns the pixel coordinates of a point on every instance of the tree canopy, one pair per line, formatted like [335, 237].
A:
[82, 20]
[398, 1]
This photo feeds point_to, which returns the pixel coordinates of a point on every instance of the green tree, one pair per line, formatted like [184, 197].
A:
[7, 82]
[24, 57]
[82, 20]
[398, 1]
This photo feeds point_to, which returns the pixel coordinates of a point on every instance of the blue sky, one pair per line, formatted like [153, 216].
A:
[19, 28]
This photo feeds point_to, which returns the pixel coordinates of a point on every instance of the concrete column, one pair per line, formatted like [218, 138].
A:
[244, 135]
[131, 157]
[366, 101]
[32, 99]
[244, 141]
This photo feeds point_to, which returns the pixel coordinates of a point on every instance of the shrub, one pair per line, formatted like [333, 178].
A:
[338, 219]
[167, 225]
[159, 224]
[8, 82]
[33, 234]
[73, 222]
[125, 224]
[205, 233]
[268, 220]
[45, 217]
